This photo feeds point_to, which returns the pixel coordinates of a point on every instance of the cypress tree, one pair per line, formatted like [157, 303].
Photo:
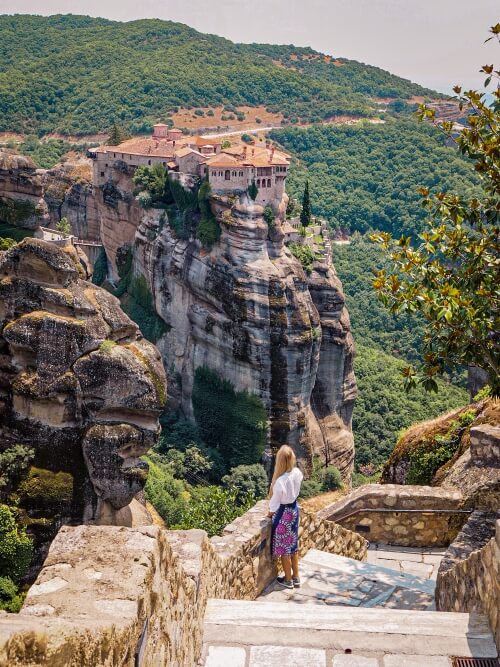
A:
[305, 214]
[253, 190]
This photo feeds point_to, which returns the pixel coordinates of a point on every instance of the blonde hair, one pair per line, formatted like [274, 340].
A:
[285, 462]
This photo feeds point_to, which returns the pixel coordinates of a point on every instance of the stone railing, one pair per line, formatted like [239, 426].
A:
[123, 596]
[469, 574]
[400, 515]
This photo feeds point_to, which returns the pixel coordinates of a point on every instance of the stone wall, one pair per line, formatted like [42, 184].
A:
[103, 587]
[382, 516]
[485, 445]
[469, 575]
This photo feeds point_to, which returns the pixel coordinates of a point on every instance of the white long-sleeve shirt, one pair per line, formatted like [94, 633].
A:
[286, 489]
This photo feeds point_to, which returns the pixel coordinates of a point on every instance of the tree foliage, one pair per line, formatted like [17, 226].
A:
[134, 73]
[451, 271]
[233, 423]
[248, 480]
[16, 547]
[305, 213]
[385, 343]
[364, 177]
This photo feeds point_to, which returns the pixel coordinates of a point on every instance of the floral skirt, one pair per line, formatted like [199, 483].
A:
[286, 530]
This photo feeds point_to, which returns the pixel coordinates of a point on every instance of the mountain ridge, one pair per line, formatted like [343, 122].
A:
[78, 75]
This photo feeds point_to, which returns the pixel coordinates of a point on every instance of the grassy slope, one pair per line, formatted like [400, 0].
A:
[77, 75]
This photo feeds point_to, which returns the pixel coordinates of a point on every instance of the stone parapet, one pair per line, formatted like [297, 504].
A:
[399, 514]
[485, 445]
[469, 575]
[108, 593]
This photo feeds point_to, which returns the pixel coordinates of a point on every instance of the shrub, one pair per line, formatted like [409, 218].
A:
[208, 232]
[269, 217]
[332, 479]
[9, 599]
[6, 243]
[310, 488]
[196, 465]
[212, 508]
[426, 459]
[304, 254]
[169, 496]
[14, 464]
[247, 138]
[253, 190]
[63, 226]
[16, 547]
[210, 112]
[247, 480]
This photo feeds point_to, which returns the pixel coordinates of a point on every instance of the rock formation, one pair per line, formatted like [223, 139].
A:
[247, 310]
[30, 197]
[78, 385]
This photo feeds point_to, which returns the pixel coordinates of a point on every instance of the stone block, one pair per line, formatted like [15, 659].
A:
[278, 656]
[353, 661]
[223, 656]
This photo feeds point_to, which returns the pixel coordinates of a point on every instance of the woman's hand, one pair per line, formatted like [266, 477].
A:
[270, 514]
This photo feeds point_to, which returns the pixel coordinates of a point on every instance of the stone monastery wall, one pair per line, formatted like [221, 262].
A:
[149, 583]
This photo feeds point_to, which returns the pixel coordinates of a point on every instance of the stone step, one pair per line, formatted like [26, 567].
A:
[349, 566]
[240, 625]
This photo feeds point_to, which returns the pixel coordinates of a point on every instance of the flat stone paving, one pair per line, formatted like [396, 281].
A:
[398, 579]
[289, 656]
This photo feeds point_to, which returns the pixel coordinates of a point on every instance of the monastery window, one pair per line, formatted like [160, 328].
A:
[149, 162]
[102, 174]
[228, 175]
[268, 182]
[114, 154]
[263, 182]
[258, 182]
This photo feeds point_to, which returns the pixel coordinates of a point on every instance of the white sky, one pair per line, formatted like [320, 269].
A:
[437, 43]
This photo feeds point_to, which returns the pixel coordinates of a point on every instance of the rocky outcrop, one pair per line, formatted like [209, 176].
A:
[21, 191]
[247, 310]
[30, 197]
[78, 385]
[68, 192]
[474, 467]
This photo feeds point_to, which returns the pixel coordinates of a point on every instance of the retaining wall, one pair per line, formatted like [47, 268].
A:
[469, 574]
[380, 517]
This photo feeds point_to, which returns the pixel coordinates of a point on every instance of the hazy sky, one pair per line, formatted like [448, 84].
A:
[437, 43]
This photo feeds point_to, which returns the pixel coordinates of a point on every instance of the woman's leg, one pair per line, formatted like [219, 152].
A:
[287, 567]
[295, 564]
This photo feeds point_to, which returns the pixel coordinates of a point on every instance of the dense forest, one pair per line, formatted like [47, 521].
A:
[384, 342]
[366, 176]
[78, 75]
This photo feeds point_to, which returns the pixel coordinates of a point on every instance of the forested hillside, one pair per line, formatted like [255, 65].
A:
[366, 176]
[384, 343]
[78, 75]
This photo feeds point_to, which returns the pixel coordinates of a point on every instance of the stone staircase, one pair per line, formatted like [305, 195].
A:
[347, 613]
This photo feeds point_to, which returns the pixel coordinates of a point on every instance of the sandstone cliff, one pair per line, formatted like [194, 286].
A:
[78, 385]
[30, 197]
[247, 310]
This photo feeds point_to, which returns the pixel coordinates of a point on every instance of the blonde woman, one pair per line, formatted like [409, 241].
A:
[284, 510]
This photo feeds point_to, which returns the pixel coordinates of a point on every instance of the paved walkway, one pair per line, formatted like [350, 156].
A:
[328, 579]
[347, 613]
[422, 563]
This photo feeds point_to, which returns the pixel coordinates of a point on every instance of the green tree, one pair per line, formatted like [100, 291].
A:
[253, 190]
[305, 214]
[151, 179]
[452, 275]
[248, 480]
[14, 464]
[212, 508]
[269, 217]
[63, 226]
[117, 135]
[16, 547]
